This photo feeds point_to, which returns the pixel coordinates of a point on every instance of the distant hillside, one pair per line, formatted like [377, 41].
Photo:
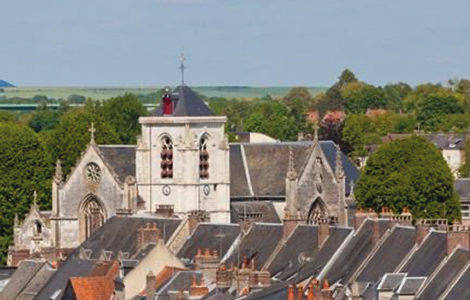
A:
[3, 83]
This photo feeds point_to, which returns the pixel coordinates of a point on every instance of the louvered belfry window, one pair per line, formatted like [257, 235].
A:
[166, 154]
[203, 159]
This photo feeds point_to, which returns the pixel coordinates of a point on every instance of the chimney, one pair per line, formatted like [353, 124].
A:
[323, 232]
[359, 217]
[310, 292]
[148, 234]
[458, 236]
[290, 292]
[422, 231]
[326, 293]
[198, 290]
[195, 217]
[167, 103]
[207, 263]
[151, 285]
[300, 292]
[223, 277]
[290, 223]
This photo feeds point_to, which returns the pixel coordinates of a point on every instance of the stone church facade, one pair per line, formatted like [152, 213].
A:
[183, 165]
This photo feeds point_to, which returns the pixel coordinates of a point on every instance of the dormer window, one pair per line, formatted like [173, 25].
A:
[166, 154]
[37, 227]
[203, 159]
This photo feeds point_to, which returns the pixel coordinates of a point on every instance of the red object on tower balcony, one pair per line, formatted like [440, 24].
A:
[167, 104]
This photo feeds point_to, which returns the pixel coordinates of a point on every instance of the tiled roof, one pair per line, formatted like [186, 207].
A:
[120, 158]
[459, 289]
[411, 285]
[26, 271]
[391, 281]
[257, 211]
[92, 288]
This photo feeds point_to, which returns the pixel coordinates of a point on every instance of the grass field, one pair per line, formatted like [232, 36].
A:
[101, 93]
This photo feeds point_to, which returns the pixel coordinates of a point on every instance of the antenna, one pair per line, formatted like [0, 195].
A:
[182, 66]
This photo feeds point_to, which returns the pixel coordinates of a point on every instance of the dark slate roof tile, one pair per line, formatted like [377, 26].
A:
[39, 280]
[302, 243]
[460, 289]
[320, 257]
[238, 180]
[181, 281]
[428, 256]
[187, 103]
[120, 158]
[72, 267]
[268, 162]
[6, 272]
[258, 243]
[257, 211]
[212, 236]
[411, 285]
[445, 275]
[391, 281]
[21, 277]
[119, 234]
[355, 252]
[389, 254]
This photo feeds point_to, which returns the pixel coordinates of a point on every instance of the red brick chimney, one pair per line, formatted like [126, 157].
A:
[207, 263]
[290, 292]
[198, 290]
[149, 233]
[458, 236]
[422, 231]
[300, 292]
[223, 277]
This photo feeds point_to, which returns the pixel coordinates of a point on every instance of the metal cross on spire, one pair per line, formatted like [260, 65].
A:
[92, 130]
[182, 66]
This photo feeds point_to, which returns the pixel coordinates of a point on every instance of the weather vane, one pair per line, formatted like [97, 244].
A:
[182, 66]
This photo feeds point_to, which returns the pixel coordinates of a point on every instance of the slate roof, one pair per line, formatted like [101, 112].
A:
[411, 285]
[25, 272]
[462, 187]
[265, 209]
[389, 254]
[447, 141]
[445, 275]
[268, 163]
[37, 283]
[302, 243]
[460, 289]
[206, 236]
[6, 272]
[187, 103]
[180, 282]
[121, 158]
[428, 256]
[320, 257]
[119, 234]
[72, 267]
[258, 243]
[391, 281]
[355, 252]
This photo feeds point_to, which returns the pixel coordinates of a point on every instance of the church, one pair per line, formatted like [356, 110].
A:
[183, 165]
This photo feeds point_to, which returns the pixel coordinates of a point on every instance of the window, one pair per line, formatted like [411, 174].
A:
[92, 216]
[37, 227]
[166, 154]
[465, 209]
[203, 159]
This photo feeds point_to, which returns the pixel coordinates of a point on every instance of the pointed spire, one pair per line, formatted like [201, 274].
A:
[58, 171]
[339, 164]
[291, 174]
[35, 198]
[92, 130]
[315, 134]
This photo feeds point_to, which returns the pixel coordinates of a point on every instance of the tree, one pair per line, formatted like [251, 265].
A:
[432, 107]
[44, 120]
[333, 94]
[464, 170]
[359, 96]
[299, 101]
[409, 173]
[395, 94]
[357, 133]
[123, 113]
[25, 167]
[71, 136]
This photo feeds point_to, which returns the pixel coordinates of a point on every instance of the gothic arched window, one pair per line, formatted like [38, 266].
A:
[166, 165]
[91, 217]
[37, 227]
[318, 212]
[203, 158]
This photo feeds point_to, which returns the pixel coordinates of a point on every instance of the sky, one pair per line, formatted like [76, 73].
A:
[232, 42]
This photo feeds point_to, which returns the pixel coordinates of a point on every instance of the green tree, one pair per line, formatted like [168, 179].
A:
[358, 132]
[432, 107]
[25, 167]
[6, 116]
[44, 120]
[334, 94]
[72, 135]
[123, 113]
[299, 101]
[395, 95]
[409, 173]
[359, 96]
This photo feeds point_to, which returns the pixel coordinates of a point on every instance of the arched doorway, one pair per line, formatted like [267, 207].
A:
[92, 216]
[318, 212]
